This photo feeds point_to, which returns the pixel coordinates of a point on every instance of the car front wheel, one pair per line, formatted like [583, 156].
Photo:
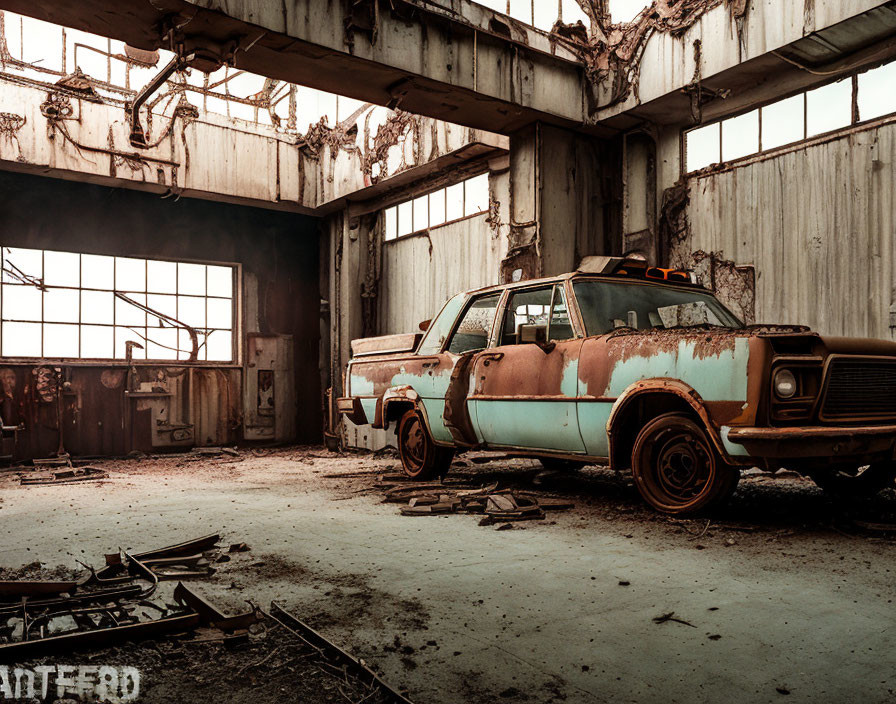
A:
[676, 468]
[421, 458]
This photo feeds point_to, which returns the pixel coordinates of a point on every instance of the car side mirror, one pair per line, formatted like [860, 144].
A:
[424, 326]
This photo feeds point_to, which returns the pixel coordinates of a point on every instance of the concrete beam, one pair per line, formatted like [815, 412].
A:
[458, 62]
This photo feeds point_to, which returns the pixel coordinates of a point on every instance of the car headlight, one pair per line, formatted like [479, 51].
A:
[785, 384]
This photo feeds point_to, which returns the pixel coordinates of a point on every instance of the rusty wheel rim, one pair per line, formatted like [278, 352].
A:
[414, 445]
[683, 468]
[676, 469]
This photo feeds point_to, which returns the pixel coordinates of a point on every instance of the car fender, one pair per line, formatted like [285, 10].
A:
[674, 387]
[403, 395]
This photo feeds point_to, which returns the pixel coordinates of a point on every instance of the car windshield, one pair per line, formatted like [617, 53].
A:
[607, 305]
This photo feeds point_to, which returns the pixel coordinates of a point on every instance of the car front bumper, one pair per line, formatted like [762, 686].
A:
[816, 441]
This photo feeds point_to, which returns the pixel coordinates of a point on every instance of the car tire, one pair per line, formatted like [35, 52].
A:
[676, 468]
[555, 464]
[855, 482]
[421, 458]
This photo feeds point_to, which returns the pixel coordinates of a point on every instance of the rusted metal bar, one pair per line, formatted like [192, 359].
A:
[210, 615]
[129, 591]
[349, 662]
[15, 589]
[99, 638]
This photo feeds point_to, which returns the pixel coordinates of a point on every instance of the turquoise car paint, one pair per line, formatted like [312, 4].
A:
[540, 425]
[593, 417]
[715, 378]
[515, 407]
[735, 449]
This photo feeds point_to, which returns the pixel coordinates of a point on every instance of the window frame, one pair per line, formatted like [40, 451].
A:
[428, 194]
[237, 342]
[855, 124]
[490, 340]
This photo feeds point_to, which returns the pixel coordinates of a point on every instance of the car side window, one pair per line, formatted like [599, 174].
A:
[536, 315]
[475, 327]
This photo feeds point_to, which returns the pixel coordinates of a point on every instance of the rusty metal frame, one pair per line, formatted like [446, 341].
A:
[324, 646]
[101, 637]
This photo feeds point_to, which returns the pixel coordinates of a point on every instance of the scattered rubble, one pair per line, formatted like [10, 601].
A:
[64, 476]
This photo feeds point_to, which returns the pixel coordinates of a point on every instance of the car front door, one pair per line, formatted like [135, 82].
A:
[523, 391]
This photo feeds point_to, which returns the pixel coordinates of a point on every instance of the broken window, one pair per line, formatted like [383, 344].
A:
[445, 205]
[808, 114]
[475, 327]
[82, 306]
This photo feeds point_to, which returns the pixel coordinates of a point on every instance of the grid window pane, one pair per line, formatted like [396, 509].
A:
[740, 136]
[21, 339]
[91, 306]
[877, 92]
[191, 311]
[829, 108]
[97, 307]
[161, 277]
[219, 312]
[476, 195]
[60, 340]
[128, 314]
[185, 345]
[124, 335]
[702, 147]
[130, 274]
[62, 305]
[191, 279]
[22, 302]
[98, 271]
[421, 213]
[62, 269]
[220, 281]
[405, 219]
[783, 122]
[19, 263]
[391, 224]
[219, 346]
[96, 342]
[162, 343]
[437, 208]
[454, 202]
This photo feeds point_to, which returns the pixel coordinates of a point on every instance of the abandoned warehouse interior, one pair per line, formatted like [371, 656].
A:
[203, 204]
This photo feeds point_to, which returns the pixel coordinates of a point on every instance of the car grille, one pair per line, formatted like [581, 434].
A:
[860, 389]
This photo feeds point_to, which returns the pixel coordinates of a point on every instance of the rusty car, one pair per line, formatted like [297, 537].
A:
[637, 367]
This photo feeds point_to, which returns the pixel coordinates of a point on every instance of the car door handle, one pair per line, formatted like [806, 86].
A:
[429, 365]
[491, 356]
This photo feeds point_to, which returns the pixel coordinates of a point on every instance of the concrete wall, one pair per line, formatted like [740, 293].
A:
[279, 314]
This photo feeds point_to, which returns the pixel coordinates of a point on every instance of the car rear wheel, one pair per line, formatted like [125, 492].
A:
[676, 468]
[421, 458]
[555, 464]
[855, 482]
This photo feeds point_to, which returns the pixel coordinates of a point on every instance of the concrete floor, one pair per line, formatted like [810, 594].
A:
[781, 594]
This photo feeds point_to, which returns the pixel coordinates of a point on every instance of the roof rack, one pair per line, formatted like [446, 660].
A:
[635, 269]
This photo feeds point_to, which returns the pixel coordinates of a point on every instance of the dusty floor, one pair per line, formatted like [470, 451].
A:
[784, 594]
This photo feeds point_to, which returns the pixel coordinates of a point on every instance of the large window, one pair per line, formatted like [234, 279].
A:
[461, 200]
[61, 305]
[865, 96]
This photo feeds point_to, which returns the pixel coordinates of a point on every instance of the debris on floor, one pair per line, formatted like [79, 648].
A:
[105, 606]
[498, 505]
[64, 476]
[123, 604]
